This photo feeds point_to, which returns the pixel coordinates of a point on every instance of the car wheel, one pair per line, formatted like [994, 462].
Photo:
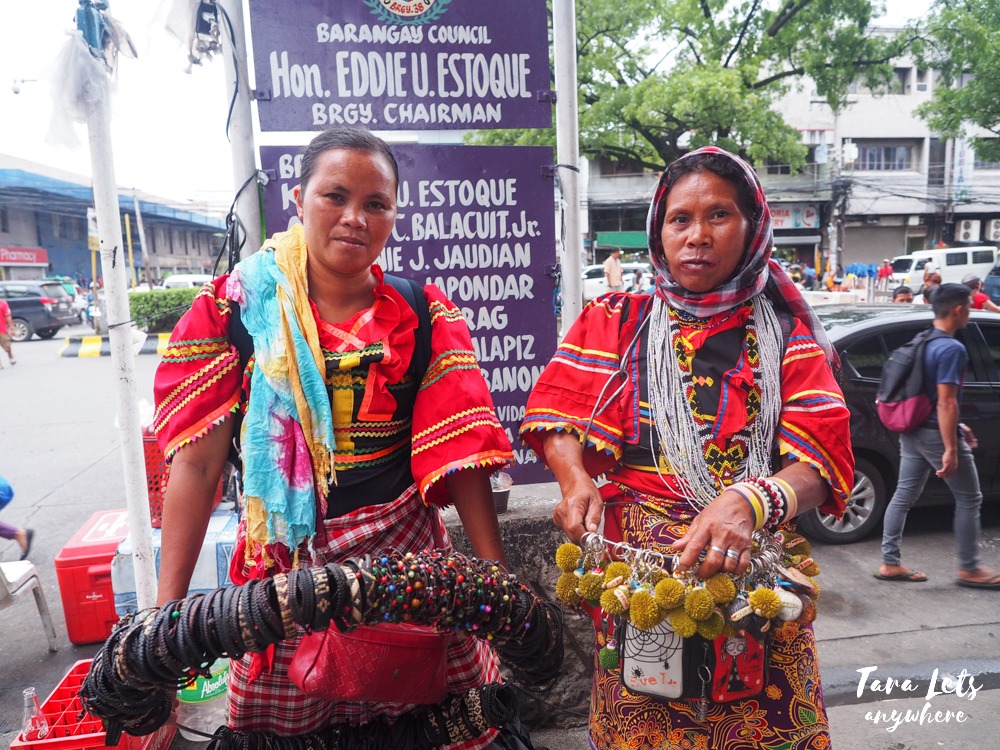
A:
[863, 514]
[46, 333]
[21, 330]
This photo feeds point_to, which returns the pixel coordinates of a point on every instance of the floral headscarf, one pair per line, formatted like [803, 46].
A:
[756, 273]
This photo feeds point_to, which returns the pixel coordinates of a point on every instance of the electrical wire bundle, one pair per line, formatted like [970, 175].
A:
[156, 652]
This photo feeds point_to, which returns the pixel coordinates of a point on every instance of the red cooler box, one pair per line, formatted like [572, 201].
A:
[83, 569]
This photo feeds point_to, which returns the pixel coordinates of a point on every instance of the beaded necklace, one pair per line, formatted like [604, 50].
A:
[685, 440]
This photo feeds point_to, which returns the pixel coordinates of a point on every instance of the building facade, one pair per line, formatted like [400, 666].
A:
[44, 228]
[876, 178]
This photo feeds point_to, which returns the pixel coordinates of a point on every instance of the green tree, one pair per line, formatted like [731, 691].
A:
[659, 77]
[961, 45]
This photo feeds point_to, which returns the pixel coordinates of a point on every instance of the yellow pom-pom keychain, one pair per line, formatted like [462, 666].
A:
[568, 557]
[669, 593]
[681, 624]
[615, 601]
[617, 570]
[644, 611]
[808, 566]
[797, 545]
[566, 589]
[699, 604]
[722, 588]
[591, 585]
[765, 602]
[712, 628]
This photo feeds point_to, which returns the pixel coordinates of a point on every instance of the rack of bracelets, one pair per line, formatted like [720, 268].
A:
[153, 653]
[645, 587]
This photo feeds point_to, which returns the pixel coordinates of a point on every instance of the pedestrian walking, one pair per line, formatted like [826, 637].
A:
[22, 536]
[613, 271]
[6, 324]
[945, 445]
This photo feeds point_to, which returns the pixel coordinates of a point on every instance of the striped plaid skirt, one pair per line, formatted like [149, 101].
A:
[272, 703]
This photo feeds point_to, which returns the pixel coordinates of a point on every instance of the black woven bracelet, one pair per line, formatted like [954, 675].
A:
[270, 612]
[323, 605]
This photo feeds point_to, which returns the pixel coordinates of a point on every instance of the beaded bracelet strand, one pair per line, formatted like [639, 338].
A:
[151, 655]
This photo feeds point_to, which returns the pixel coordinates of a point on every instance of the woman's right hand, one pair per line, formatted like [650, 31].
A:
[581, 506]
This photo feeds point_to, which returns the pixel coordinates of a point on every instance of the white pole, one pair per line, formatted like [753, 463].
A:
[113, 261]
[241, 128]
[568, 154]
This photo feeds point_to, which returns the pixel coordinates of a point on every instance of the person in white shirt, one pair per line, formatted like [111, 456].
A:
[613, 271]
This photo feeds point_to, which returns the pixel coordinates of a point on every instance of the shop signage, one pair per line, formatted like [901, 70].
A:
[794, 215]
[23, 256]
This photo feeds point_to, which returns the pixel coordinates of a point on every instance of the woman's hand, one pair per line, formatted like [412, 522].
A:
[581, 506]
[725, 525]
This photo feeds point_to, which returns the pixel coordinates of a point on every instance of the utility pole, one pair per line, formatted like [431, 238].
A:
[91, 22]
[241, 130]
[568, 157]
[142, 242]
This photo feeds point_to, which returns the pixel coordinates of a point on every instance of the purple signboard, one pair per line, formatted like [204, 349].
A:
[479, 222]
[401, 64]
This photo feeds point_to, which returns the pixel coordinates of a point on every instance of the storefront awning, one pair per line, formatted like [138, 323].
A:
[801, 239]
[624, 240]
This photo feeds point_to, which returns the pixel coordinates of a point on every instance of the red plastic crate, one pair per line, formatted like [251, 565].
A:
[67, 732]
[157, 474]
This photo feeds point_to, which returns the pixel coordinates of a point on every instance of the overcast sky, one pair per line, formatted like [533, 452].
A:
[168, 127]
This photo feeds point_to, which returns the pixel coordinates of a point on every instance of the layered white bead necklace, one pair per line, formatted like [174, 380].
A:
[675, 431]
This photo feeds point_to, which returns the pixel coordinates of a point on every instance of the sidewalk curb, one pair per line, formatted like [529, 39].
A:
[100, 346]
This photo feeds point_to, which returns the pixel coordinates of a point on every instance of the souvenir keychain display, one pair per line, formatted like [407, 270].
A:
[675, 636]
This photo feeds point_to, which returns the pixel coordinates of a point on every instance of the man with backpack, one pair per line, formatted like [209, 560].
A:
[944, 444]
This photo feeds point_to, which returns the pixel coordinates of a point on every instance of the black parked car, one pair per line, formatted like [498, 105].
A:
[864, 335]
[39, 307]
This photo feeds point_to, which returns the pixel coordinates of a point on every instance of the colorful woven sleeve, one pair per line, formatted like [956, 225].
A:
[815, 422]
[197, 384]
[582, 372]
[455, 426]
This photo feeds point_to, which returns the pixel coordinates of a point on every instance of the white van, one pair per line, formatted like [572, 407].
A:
[953, 263]
[186, 280]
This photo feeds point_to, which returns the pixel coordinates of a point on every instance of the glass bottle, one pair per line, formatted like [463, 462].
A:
[34, 726]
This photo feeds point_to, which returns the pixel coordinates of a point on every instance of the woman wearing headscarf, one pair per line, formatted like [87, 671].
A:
[719, 379]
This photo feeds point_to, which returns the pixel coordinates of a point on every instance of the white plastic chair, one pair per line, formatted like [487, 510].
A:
[18, 578]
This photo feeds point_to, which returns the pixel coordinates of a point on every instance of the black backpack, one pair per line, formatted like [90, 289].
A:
[902, 401]
[410, 290]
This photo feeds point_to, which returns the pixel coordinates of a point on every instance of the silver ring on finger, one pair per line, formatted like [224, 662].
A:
[717, 549]
[731, 553]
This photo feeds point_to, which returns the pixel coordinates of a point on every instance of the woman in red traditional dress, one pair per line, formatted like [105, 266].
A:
[718, 380]
[347, 448]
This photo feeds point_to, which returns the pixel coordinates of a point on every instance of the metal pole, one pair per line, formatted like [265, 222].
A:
[241, 128]
[131, 258]
[568, 155]
[142, 242]
[120, 332]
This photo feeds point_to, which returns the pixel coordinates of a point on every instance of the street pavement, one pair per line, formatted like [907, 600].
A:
[60, 449]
